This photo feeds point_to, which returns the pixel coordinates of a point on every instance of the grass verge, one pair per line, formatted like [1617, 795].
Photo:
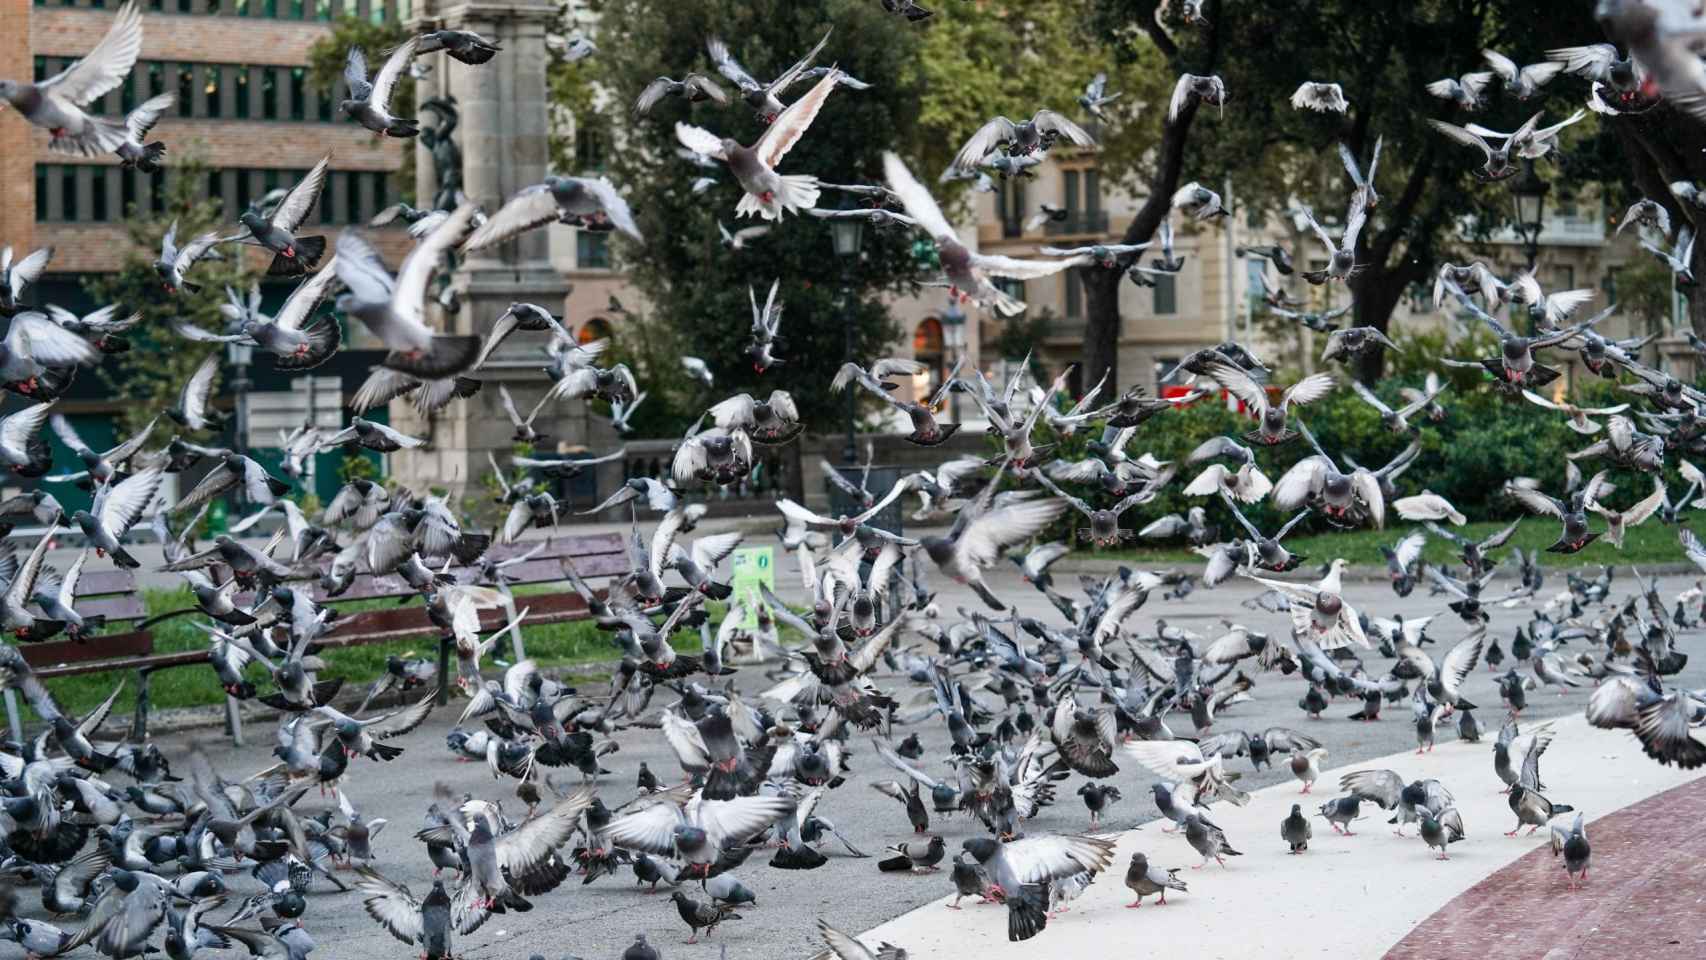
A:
[1652, 542]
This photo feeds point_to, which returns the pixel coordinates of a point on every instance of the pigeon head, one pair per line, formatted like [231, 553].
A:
[252, 219]
[688, 837]
[981, 848]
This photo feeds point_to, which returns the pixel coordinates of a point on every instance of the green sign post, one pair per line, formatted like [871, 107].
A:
[753, 567]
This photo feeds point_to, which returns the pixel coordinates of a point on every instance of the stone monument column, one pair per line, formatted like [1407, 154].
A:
[502, 129]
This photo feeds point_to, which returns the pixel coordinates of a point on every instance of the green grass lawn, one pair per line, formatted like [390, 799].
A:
[1651, 542]
[551, 645]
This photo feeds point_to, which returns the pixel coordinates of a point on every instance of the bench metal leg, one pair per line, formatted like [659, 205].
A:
[15, 725]
[444, 670]
[233, 721]
[139, 719]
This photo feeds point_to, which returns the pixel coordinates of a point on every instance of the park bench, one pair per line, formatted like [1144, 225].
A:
[114, 593]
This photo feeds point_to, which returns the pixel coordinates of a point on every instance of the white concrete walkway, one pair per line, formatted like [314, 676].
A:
[1348, 898]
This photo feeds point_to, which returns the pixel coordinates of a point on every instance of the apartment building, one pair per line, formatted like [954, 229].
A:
[246, 110]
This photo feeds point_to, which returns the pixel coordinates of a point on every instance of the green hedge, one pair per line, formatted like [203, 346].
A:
[1484, 440]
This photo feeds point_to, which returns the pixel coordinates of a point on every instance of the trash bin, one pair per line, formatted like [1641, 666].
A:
[882, 479]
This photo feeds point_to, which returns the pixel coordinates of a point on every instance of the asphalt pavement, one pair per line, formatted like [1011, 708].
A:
[599, 920]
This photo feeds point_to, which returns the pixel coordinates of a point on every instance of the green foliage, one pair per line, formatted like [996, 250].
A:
[359, 465]
[1484, 441]
[1020, 335]
[326, 57]
[146, 379]
[1646, 289]
[1011, 58]
[694, 286]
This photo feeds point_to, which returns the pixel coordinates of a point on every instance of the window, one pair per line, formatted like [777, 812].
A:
[323, 10]
[1166, 292]
[127, 191]
[1163, 367]
[589, 148]
[241, 77]
[68, 193]
[1608, 285]
[352, 197]
[296, 9]
[186, 90]
[269, 93]
[325, 194]
[1074, 294]
[298, 78]
[186, 6]
[157, 82]
[376, 11]
[1092, 193]
[592, 250]
[210, 89]
[216, 189]
[1010, 203]
[1255, 269]
[1012, 288]
[1566, 277]
[98, 192]
[41, 69]
[127, 92]
[1071, 184]
[381, 192]
[41, 192]
[245, 195]
[927, 345]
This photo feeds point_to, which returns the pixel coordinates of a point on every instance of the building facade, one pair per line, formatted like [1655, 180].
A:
[248, 114]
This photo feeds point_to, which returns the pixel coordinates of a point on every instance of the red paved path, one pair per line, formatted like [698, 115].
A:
[1645, 895]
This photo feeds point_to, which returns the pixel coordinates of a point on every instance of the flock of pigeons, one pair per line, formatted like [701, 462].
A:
[1027, 703]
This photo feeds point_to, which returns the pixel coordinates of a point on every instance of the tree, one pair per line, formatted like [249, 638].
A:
[147, 377]
[692, 283]
[1277, 156]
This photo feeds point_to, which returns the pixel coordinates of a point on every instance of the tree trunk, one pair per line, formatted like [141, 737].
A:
[1101, 324]
[1102, 287]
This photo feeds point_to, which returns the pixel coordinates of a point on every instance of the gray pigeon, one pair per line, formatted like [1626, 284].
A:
[134, 153]
[18, 276]
[767, 193]
[369, 104]
[1208, 840]
[590, 203]
[1573, 844]
[425, 923]
[464, 45]
[56, 104]
[292, 255]
[1144, 880]
[394, 309]
[1295, 830]
[761, 97]
[1341, 812]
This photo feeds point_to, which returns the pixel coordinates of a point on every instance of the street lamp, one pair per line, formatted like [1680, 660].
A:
[848, 235]
[1529, 194]
[954, 333]
[239, 355]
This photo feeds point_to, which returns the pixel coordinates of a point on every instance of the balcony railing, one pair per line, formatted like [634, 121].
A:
[1078, 222]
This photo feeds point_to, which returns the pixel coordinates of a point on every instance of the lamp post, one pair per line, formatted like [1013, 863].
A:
[1529, 193]
[954, 332]
[848, 235]
[239, 355]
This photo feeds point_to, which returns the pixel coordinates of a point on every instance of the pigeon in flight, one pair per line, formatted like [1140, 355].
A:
[57, 103]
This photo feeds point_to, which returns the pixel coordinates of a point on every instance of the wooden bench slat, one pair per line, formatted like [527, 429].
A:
[114, 608]
[103, 582]
[108, 647]
[584, 545]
